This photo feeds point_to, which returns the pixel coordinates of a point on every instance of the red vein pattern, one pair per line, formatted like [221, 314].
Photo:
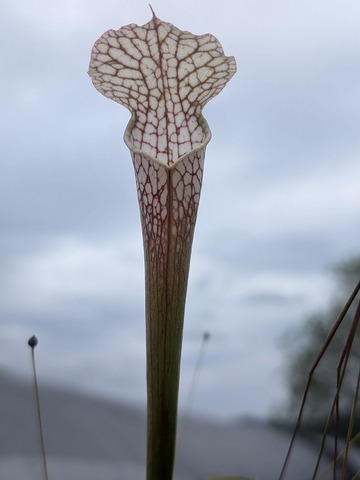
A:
[164, 76]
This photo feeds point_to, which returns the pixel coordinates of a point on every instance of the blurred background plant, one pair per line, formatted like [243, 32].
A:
[301, 346]
[323, 376]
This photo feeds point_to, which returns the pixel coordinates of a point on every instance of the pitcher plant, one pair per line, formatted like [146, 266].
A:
[164, 76]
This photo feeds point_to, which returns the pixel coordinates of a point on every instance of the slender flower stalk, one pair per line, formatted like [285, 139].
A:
[32, 342]
[192, 390]
[164, 76]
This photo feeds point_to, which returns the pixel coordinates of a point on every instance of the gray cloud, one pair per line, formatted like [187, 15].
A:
[279, 201]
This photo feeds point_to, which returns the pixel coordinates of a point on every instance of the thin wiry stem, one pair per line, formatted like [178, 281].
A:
[334, 407]
[33, 341]
[194, 383]
[345, 356]
[351, 443]
[334, 411]
[195, 377]
[351, 426]
[322, 351]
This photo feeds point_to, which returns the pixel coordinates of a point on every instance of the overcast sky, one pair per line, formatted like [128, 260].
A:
[280, 199]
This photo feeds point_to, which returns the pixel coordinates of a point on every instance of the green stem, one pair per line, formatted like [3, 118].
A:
[165, 304]
[168, 199]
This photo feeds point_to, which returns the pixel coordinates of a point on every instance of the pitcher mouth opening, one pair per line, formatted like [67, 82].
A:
[129, 142]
